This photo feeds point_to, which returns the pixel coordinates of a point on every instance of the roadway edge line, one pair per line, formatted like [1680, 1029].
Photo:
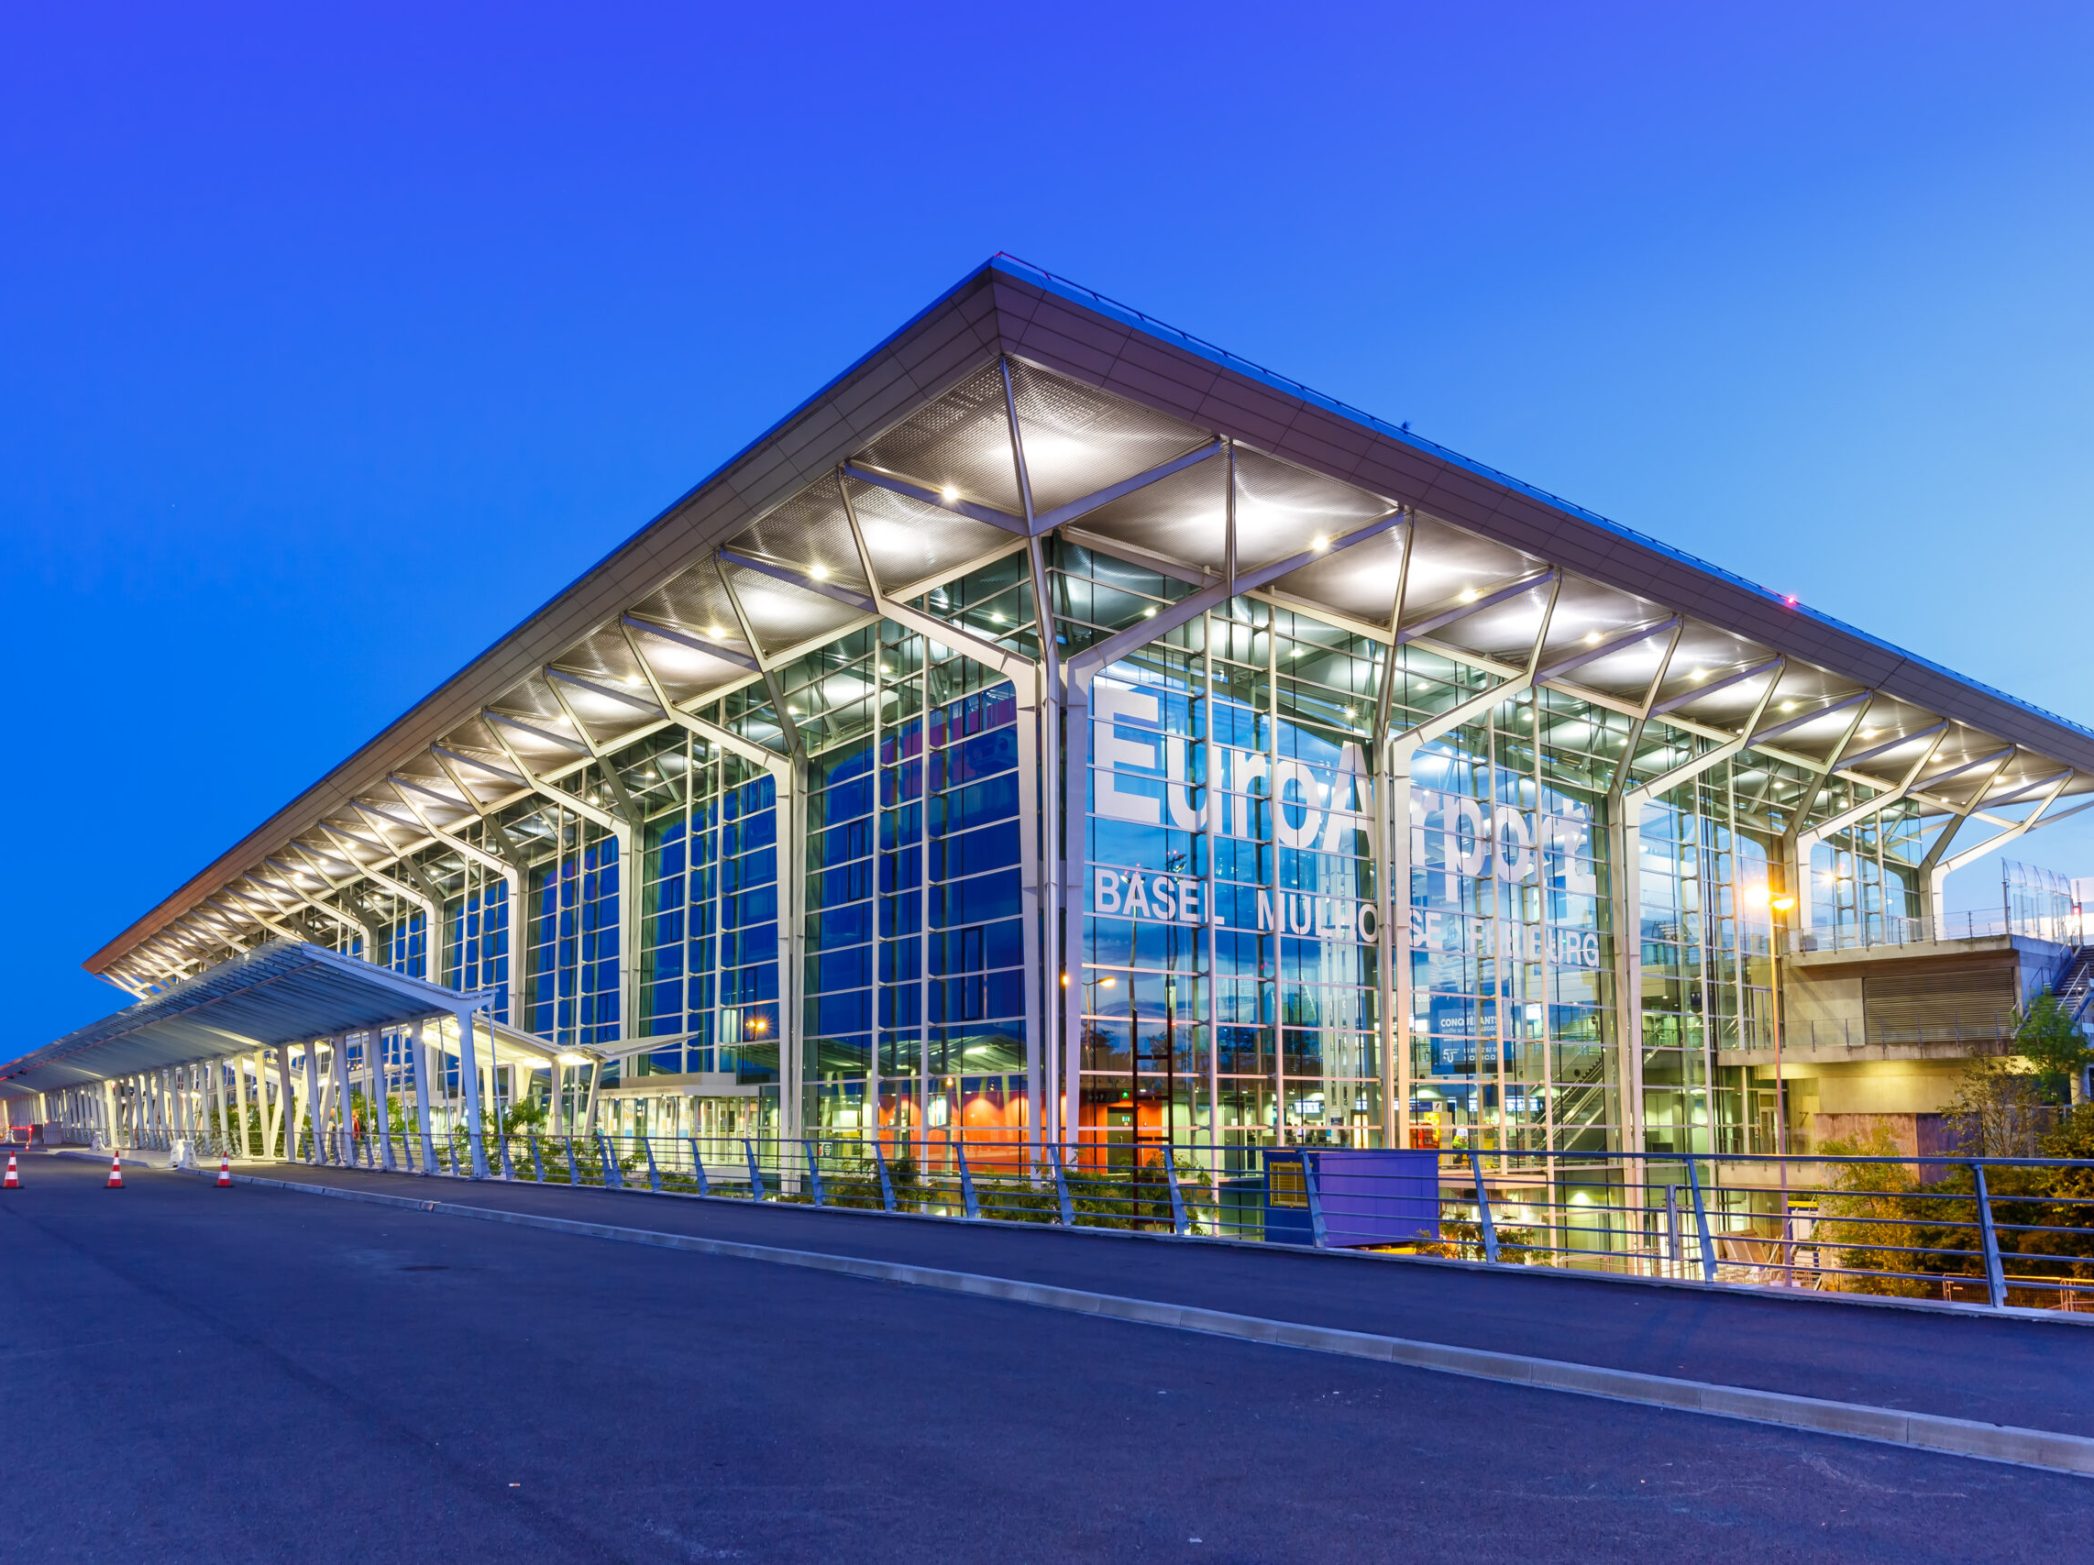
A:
[2050, 1450]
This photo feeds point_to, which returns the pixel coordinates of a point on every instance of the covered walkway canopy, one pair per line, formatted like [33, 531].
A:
[286, 992]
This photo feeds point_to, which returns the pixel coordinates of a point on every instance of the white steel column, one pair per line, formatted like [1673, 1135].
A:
[313, 1111]
[469, 1078]
[1039, 797]
[225, 1113]
[280, 1129]
[338, 1070]
[381, 1101]
[421, 1096]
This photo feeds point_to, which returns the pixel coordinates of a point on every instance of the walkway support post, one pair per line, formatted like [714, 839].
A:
[967, 1195]
[421, 1095]
[1701, 1223]
[1995, 1274]
[814, 1172]
[1063, 1205]
[225, 1113]
[381, 1099]
[1314, 1193]
[1179, 1225]
[469, 1076]
[312, 1100]
[1483, 1209]
[886, 1184]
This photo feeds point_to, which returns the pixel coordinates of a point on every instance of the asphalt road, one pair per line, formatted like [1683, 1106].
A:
[253, 1375]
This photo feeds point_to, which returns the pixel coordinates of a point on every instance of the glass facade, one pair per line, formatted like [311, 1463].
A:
[571, 937]
[710, 914]
[1246, 969]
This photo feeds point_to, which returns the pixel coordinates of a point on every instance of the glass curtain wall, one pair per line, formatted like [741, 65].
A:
[571, 931]
[1233, 981]
[915, 984]
[476, 954]
[710, 915]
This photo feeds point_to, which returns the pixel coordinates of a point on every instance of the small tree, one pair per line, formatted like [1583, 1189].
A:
[2050, 1040]
[2061, 1221]
[1871, 1216]
[2005, 1106]
[1999, 1110]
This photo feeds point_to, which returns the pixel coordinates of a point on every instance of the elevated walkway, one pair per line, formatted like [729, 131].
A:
[2029, 1370]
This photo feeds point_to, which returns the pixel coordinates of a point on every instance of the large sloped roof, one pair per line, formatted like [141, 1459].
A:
[1017, 404]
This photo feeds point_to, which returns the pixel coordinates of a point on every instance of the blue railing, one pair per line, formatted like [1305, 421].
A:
[2004, 1232]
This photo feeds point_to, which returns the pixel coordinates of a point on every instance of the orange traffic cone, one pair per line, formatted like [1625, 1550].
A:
[116, 1172]
[225, 1172]
[13, 1181]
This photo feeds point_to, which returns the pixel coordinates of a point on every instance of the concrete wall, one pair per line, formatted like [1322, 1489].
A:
[1888, 1087]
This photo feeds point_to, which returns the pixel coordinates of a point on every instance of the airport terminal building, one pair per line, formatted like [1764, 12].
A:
[1058, 729]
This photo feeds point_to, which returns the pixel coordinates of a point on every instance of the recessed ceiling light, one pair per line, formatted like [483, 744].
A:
[949, 493]
[818, 571]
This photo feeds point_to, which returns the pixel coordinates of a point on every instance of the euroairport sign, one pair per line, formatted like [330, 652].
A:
[1143, 776]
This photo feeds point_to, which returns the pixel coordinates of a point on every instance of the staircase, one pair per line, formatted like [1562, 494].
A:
[2075, 986]
[1582, 1100]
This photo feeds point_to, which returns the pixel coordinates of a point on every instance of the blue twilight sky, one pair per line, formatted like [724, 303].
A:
[331, 344]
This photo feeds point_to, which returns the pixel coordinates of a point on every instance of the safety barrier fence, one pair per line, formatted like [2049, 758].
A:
[2060, 928]
[2000, 1231]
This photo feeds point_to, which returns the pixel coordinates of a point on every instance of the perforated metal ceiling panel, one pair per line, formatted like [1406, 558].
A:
[911, 542]
[963, 440]
[1079, 441]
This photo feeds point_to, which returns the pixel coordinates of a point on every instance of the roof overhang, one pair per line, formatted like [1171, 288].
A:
[278, 994]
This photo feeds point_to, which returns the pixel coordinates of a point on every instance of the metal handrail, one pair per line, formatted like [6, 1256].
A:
[2008, 1231]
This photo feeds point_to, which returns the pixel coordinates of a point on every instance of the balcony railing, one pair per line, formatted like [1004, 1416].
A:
[1973, 1035]
[2061, 929]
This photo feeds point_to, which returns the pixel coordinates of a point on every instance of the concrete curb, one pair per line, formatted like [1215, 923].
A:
[2021, 1447]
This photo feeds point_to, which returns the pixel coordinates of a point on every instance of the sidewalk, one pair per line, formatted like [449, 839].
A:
[2018, 1371]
